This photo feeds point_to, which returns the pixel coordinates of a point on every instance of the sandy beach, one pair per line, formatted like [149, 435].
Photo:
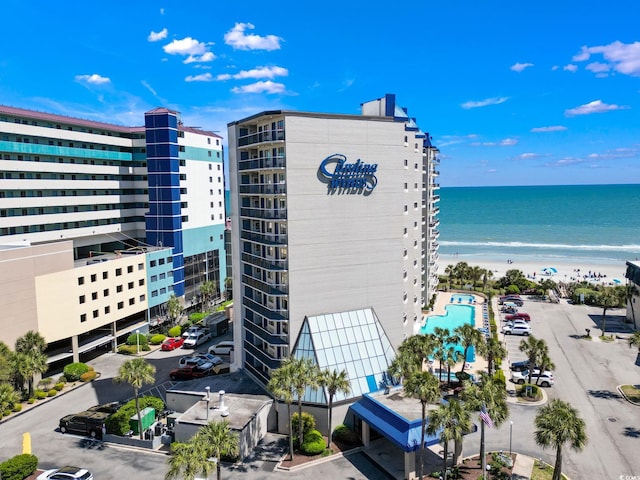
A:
[596, 272]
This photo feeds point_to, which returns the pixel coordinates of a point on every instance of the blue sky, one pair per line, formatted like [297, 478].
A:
[512, 92]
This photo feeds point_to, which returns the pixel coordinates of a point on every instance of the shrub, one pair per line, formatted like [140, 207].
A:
[6, 413]
[137, 339]
[45, 382]
[308, 424]
[88, 376]
[40, 394]
[73, 371]
[18, 467]
[59, 386]
[62, 379]
[499, 377]
[313, 443]
[175, 331]
[157, 339]
[31, 401]
[52, 393]
[197, 317]
[342, 433]
[128, 349]
[512, 289]
[118, 423]
[17, 407]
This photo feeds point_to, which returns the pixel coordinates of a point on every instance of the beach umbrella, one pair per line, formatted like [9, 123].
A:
[617, 280]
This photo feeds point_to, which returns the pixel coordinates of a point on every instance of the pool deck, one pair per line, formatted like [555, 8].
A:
[439, 308]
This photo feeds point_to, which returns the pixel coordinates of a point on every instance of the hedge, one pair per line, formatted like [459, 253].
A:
[18, 467]
[73, 371]
[88, 376]
[52, 393]
[342, 433]
[59, 386]
[157, 339]
[40, 394]
[175, 331]
[118, 423]
[308, 424]
[197, 317]
[314, 443]
[17, 407]
[141, 339]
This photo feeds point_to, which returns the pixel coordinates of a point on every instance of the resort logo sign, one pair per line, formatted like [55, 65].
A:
[349, 178]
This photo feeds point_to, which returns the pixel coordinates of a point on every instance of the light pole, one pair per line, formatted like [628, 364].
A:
[137, 342]
[207, 388]
[510, 436]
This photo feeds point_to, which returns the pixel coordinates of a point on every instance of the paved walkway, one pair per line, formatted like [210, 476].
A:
[523, 468]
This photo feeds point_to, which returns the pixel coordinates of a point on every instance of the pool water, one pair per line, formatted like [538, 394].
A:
[456, 316]
[462, 298]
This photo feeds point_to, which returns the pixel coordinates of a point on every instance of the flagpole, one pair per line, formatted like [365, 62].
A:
[484, 455]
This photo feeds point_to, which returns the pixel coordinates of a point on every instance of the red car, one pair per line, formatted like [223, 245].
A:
[188, 373]
[172, 343]
[518, 316]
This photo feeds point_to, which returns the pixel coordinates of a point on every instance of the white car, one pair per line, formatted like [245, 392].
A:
[222, 348]
[516, 330]
[66, 473]
[511, 323]
[195, 339]
[545, 379]
[191, 330]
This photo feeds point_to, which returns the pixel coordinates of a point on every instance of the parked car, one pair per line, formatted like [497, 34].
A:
[172, 343]
[188, 373]
[193, 329]
[518, 316]
[195, 339]
[209, 357]
[511, 323]
[516, 330]
[111, 407]
[510, 308]
[86, 423]
[546, 378]
[521, 366]
[191, 361]
[66, 473]
[509, 298]
[222, 348]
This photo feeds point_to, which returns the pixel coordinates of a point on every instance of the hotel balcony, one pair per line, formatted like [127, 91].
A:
[265, 263]
[262, 163]
[264, 189]
[264, 334]
[264, 213]
[262, 356]
[274, 315]
[262, 137]
[272, 240]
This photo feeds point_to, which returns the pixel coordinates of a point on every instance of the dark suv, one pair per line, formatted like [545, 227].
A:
[86, 423]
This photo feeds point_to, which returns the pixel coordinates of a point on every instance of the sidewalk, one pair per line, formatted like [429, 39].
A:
[523, 467]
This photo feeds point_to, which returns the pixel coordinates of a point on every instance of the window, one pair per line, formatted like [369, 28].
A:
[118, 272]
[94, 295]
[152, 263]
[163, 291]
[83, 317]
[154, 278]
[406, 185]
[81, 299]
[405, 231]
[169, 259]
[107, 310]
[141, 298]
[119, 288]
[130, 269]
[120, 305]
[406, 163]
[210, 166]
[161, 261]
[80, 280]
[130, 285]
[132, 301]
[105, 275]
[405, 253]
[141, 266]
[96, 313]
[141, 282]
[162, 276]
[154, 293]
[406, 209]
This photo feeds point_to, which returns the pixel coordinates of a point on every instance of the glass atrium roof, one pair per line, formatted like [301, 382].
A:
[352, 341]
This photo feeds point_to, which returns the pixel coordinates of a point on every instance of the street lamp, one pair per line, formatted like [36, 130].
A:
[207, 388]
[510, 436]
[137, 342]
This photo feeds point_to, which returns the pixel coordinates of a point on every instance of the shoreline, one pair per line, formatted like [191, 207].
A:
[596, 271]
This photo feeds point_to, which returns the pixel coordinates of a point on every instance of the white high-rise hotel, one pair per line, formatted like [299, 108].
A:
[334, 223]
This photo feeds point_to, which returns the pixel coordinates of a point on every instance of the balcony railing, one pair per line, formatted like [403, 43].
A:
[266, 136]
[264, 189]
[274, 290]
[265, 263]
[275, 315]
[265, 213]
[271, 240]
[262, 163]
[265, 335]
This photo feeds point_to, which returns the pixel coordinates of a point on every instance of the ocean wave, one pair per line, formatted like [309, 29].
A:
[607, 248]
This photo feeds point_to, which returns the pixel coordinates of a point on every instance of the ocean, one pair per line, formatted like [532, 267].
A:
[576, 223]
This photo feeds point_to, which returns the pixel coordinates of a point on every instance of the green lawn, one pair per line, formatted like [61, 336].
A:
[542, 471]
[632, 392]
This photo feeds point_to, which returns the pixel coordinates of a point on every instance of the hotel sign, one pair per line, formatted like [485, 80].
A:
[343, 177]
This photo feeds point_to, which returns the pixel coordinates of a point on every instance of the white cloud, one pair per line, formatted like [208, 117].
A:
[260, 87]
[570, 68]
[94, 79]
[593, 107]
[507, 142]
[237, 39]
[162, 11]
[527, 156]
[554, 128]
[518, 67]
[621, 57]
[146, 85]
[203, 77]
[196, 51]
[597, 67]
[258, 72]
[205, 57]
[484, 103]
[155, 36]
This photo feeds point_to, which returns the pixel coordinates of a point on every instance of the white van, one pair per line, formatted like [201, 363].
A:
[222, 348]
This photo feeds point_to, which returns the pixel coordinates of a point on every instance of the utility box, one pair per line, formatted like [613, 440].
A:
[148, 416]
[218, 324]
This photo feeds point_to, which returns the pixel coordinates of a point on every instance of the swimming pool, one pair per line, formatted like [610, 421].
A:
[462, 298]
[456, 316]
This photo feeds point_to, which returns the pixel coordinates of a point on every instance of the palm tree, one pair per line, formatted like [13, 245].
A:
[535, 349]
[461, 271]
[448, 271]
[440, 337]
[454, 420]
[630, 291]
[281, 386]
[228, 288]
[545, 364]
[305, 373]
[492, 349]
[411, 355]
[217, 441]
[31, 342]
[335, 383]
[426, 388]
[557, 424]
[136, 372]
[5, 363]
[30, 352]
[469, 337]
[607, 299]
[490, 394]
[634, 340]
[486, 276]
[452, 357]
[174, 309]
[8, 397]
[26, 366]
[208, 290]
[188, 461]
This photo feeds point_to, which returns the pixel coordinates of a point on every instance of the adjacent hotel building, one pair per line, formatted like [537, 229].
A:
[334, 238]
[100, 224]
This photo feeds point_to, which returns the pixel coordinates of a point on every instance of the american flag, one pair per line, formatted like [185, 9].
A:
[484, 416]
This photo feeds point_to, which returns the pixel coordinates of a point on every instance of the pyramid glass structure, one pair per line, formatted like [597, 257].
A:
[352, 341]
